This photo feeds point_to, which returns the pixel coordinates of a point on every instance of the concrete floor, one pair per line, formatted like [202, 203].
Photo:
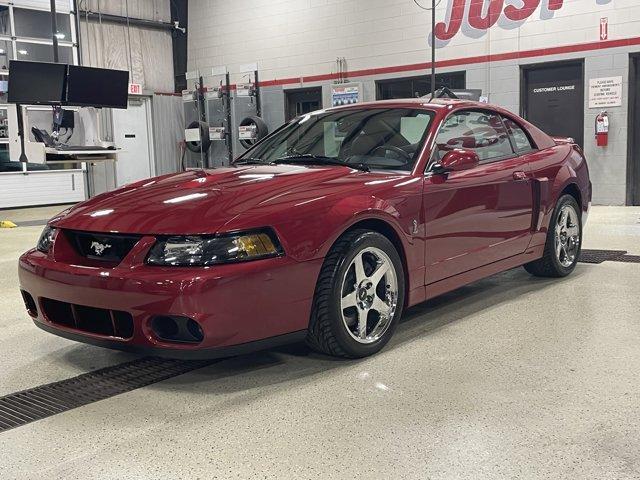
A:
[511, 377]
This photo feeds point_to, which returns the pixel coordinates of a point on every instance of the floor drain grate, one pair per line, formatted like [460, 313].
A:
[599, 256]
[17, 409]
[628, 259]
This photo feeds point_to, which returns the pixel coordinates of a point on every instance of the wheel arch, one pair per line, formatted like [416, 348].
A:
[386, 229]
[572, 189]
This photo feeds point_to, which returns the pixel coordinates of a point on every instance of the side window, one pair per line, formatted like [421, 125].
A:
[413, 128]
[518, 136]
[482, 132]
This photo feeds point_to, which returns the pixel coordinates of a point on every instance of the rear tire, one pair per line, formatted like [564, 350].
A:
[359, 296]
[564, 241]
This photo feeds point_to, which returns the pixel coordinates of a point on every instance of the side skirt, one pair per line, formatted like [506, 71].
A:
[448, 284]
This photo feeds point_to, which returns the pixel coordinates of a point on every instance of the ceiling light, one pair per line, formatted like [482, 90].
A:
[23, 52]
[2, 51]
[60, 36]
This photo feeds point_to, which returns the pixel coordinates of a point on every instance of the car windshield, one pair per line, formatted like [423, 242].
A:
[372, 138]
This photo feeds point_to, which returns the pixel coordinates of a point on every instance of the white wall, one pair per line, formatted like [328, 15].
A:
[294, 38]
[296, 42]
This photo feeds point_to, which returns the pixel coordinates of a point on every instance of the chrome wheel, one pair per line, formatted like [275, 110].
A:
[567, 236]
[369, 295]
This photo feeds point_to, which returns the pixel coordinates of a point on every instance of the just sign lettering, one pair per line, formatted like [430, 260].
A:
[483, 18]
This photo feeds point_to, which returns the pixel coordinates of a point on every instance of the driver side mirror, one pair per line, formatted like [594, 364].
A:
[457, 160]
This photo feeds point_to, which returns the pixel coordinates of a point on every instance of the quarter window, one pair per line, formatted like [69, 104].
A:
[482, 132]
[518, 136]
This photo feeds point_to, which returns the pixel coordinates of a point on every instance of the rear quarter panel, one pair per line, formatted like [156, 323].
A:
[554, 169]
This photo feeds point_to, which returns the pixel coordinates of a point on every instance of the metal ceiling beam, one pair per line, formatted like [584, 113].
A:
[137, 22]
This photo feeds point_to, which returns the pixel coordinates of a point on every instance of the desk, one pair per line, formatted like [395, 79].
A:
[88, 158]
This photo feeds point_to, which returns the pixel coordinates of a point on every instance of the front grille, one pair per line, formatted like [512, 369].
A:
[106, 247]
[111, 323]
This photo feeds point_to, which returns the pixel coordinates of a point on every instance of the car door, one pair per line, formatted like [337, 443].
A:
[478, 216]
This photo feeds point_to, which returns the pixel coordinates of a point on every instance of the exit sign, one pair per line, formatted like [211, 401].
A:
[604, 29]
[135, 89]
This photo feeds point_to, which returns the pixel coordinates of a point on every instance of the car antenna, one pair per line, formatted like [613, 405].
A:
[444, 91]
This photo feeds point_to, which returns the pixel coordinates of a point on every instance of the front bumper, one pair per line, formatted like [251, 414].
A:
[236, 305]
[183, 354]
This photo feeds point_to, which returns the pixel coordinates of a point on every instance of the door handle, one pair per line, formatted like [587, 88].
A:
[520, 176]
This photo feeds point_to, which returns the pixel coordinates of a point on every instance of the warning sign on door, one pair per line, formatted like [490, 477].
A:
[605, 92]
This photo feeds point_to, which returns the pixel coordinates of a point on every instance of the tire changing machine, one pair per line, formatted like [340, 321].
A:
[222, 121]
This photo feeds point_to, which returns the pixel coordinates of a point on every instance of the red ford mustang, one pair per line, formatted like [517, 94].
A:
[325, 231]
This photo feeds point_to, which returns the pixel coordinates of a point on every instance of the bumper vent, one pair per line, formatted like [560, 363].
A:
[29, 303]
[106, 247]
[110, 323]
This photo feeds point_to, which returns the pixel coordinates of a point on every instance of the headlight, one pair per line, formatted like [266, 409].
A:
[200, 251]
[46, 239]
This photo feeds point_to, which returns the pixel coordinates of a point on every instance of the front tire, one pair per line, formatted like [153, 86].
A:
[564, 241]
[359, 296]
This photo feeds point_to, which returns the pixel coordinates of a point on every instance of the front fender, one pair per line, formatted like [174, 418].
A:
[308, 229]
[371, 212]
[352, 210]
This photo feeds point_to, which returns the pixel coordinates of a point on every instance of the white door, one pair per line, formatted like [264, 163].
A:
[132, 134]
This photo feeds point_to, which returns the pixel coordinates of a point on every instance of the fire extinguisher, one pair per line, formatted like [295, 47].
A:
[602, 129]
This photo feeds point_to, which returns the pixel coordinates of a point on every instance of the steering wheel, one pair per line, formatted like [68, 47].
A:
[394, 149]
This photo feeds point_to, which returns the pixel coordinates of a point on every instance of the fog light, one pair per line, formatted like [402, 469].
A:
[173, 328]
[195, 330]
[165, 328]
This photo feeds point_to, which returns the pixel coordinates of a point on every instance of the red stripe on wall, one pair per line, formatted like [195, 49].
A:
[541, 52]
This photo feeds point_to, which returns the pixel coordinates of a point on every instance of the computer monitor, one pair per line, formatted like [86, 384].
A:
[97, 87]
[36, 83]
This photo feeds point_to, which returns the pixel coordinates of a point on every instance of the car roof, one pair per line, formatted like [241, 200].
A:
[541, 139]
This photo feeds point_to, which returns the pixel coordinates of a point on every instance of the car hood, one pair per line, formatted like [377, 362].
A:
[203, 201]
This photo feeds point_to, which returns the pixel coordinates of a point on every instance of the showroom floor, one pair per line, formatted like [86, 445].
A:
[511, 377]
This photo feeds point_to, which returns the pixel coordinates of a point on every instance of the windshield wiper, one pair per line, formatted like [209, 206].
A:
[310, 159]
[251, 161]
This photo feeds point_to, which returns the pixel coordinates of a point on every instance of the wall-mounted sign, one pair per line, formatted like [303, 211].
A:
[187, 96]
[135, 89]
[345, 95]
[244, 89]
[480, 15]
[605, 92]
[555, 89]
[604, 29]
